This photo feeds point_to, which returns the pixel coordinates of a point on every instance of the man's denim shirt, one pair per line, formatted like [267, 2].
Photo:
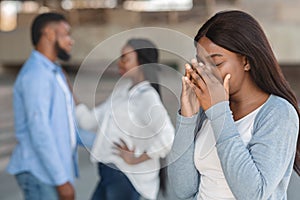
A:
[41, 124]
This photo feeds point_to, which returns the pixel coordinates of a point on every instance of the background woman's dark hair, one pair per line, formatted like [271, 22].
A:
[40, 22]
[238, 32]
[147, 55]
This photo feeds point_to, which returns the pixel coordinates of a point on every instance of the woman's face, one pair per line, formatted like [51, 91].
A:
[226, 62]
[128, 61]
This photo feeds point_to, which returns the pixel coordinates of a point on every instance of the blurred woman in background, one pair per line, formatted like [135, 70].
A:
[134, 129]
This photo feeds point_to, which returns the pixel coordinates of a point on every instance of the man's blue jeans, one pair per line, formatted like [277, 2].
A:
[114, 185]
[34, 189]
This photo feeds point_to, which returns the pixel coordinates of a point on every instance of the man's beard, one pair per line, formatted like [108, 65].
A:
[61, 53]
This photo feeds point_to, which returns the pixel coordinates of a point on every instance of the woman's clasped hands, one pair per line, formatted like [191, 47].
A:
[202, 86]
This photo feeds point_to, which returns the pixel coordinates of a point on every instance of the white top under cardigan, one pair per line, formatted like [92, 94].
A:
[261, 170]
[137, 116]
[213, 185]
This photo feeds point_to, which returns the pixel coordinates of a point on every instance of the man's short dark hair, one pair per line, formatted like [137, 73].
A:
[40, 22]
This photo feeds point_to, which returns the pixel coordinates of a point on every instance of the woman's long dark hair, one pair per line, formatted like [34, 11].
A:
[147, 55]
[239, 32]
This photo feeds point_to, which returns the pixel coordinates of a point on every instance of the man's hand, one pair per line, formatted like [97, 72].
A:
[66, 191]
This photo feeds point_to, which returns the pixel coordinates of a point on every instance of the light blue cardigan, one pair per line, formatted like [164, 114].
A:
[260, 170]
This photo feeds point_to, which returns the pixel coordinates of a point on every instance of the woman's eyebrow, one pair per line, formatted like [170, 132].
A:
[199, 59]
[215, 55]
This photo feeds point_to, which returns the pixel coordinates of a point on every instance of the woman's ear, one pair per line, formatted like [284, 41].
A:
[246, 64]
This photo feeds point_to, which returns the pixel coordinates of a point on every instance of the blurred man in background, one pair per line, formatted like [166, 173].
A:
[44, 161]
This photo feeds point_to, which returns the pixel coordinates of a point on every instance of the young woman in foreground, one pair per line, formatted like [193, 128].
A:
[238, 125]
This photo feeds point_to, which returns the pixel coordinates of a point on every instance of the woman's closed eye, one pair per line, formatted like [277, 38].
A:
[219, 64]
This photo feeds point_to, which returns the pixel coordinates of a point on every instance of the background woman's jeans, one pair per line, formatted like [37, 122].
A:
[34, 189]
[113, 185]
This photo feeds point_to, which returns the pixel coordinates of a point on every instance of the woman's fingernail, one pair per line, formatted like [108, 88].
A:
[194, 60]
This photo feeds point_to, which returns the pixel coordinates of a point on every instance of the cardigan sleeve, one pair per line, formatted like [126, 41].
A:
[256, 171]
[184, 177]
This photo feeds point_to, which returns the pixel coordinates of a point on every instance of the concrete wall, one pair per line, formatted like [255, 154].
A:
[280, 19]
